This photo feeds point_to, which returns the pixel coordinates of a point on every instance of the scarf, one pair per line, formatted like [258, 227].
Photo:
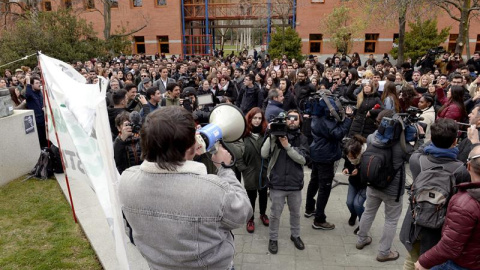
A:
[431, 149]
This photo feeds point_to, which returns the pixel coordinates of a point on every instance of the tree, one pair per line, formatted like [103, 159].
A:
[59, 34]
[460, 11]
[289, 44]
[423, 35]
[391, 12]
[341, 29]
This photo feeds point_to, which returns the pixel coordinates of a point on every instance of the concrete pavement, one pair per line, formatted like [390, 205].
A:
[325, 250]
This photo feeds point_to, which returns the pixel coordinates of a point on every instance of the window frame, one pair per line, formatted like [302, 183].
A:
[155, 2]
[372, 41]
[452, 42]
[319, 41]
[90, 1]
[44, 4]
[477, 44]
[65, 4]
[317, 1]
[136, 43]
[159, 42]
[132, 5]
[113, 6]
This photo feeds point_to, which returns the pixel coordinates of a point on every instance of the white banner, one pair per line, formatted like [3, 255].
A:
[81, 120]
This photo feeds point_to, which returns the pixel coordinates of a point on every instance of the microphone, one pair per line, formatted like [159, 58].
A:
[135, 122]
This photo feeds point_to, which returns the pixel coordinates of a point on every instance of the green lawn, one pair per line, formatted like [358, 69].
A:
[37, 230]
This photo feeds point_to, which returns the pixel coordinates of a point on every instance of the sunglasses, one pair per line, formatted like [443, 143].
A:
[472, 158]
[292, 117]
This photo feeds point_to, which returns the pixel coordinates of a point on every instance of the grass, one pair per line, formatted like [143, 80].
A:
[37, 230]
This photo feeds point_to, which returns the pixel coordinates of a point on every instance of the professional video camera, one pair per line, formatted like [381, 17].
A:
[436, 51]
[402, 126]
[135, 122]
[278, 127]
[325, 104]
[187, 80]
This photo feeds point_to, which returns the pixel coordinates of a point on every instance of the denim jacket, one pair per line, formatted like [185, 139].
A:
[182, 219]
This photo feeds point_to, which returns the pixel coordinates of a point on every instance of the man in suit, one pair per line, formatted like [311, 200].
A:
[163, 81]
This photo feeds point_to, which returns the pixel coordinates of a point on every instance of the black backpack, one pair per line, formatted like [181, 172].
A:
[376, 167]
[44, 167]
[431, 192]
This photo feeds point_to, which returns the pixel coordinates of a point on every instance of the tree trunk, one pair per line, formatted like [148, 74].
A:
[463, 27]
[107, 20]
[402, 21]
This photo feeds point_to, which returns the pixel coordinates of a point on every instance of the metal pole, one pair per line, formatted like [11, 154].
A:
[213, 35]
[269, 27]
[294, 20]
[184, 45]
[207, 38]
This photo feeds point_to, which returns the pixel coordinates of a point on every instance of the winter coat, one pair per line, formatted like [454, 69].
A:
[249, 162]
[327, 136]
[461, 231]
[273, 109]
[410, 232]
[302, 90]
[285, 169]
[127, 153]
[362, 124]
[249, 98]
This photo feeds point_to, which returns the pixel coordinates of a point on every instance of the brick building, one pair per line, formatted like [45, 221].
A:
[171, 31]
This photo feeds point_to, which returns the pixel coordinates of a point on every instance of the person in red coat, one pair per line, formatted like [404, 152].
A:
[453, 106]
[459, 247]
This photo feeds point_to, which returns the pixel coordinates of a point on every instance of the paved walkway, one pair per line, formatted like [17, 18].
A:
[325, 250]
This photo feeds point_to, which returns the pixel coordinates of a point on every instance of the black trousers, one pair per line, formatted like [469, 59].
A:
[262, 199]
[321, 181]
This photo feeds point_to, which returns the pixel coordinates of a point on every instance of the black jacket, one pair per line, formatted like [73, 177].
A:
[127, 153]
[362, 124]
[302, 90]
[285, 168]
[249, 98]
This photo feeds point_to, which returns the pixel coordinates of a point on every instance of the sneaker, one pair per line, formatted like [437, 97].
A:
[297, 241]
[356, 230]
[392, 256]
[265, 220]
[352, 219]
[364, 244]
[250, 226]
[273, 246]
[323, 226]
[309, 213]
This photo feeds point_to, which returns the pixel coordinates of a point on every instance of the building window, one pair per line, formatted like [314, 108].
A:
[67, 3]
[47, 6]
[139, 44]
[315, 43]
[160, 3]
[371, 43]
[163, 45]
[114, 3]
[396, 36]
[90, 4]
[452, 42]
[137, 3]
[477, 45]
[318, 1]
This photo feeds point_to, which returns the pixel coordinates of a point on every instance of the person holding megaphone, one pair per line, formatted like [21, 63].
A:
[180, 216]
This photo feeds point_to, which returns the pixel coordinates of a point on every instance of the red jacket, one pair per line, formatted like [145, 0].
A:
[461, 231]
[451, 110]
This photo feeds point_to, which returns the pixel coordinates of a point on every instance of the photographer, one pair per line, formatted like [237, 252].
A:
[181, 217]
[287, 156]
[324, 151]
[126, 147]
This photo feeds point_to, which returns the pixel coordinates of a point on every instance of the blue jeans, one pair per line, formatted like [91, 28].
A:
[355, 200]
[449, 265]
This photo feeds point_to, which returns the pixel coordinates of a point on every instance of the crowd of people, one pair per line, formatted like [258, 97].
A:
[443, 93]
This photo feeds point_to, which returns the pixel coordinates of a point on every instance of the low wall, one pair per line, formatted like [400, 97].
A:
[19, 151]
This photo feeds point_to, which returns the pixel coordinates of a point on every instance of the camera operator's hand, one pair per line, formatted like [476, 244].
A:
[142, 100]
[420, 129]
[472, 134]
[355, 172]
[283, 141]
[126, 131]
[220, 156]
[349, 111]
[27, 80]
[345, 172]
